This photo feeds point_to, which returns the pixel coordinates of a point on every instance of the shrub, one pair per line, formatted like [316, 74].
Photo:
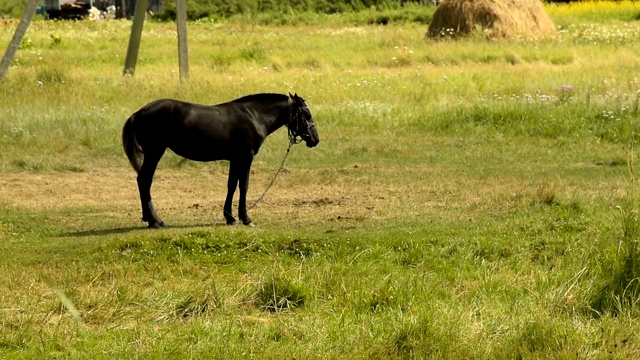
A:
[278, 294]
[51, 75]
[198, 9]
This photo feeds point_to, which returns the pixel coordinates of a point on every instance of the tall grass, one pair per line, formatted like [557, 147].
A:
[389, 79]
[621, 290]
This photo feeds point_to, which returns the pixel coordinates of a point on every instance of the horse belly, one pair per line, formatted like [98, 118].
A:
[200, 151]
[198, 133]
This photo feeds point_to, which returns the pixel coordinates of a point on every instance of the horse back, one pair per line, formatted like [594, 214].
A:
[199, 132]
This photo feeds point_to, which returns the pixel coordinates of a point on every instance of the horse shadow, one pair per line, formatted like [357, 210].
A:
[128, 229]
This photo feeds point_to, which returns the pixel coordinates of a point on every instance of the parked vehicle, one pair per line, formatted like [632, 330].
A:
[68, 9]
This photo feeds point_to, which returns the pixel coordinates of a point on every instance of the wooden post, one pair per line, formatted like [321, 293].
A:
[21, 30]
[183, 51]
[134, 38]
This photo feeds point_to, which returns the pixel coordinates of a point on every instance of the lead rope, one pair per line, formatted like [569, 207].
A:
[293, 139]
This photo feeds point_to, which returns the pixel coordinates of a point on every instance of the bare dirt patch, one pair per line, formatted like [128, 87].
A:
[190, 193]
[342, 197]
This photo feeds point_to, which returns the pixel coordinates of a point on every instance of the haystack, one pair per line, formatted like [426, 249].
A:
[491, 18]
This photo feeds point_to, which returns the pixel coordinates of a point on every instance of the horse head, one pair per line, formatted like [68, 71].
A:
[301, 122]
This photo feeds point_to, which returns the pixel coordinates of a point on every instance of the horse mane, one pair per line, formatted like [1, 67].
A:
[262, 97]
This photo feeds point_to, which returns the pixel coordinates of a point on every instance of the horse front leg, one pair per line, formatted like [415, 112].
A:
[232, 183]
[244, 188]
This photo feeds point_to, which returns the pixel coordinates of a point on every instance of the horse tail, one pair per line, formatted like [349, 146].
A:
[130, 143]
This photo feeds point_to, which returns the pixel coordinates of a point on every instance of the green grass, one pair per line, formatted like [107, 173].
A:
[468, 199]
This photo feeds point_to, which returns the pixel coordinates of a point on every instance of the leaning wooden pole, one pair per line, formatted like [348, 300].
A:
[134, 38]
[21, 30]
[183, 50]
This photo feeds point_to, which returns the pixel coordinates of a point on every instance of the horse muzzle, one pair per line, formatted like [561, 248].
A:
[311, 140]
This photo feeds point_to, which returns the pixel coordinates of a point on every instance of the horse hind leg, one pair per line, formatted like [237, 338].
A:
[145, 178]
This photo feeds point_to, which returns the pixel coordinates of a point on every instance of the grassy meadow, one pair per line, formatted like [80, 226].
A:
[468, 199]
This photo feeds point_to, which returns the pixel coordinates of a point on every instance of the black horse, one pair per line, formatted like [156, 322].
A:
[231, 131]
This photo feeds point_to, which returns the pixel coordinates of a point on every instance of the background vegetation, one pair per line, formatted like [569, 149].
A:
[469, 199]
[219, 9]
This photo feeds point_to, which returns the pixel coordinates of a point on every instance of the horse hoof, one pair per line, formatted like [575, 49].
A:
[251, 224]
[159, 225]
[231, 223]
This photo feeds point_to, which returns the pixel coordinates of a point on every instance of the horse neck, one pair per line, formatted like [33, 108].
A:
[275, 121]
